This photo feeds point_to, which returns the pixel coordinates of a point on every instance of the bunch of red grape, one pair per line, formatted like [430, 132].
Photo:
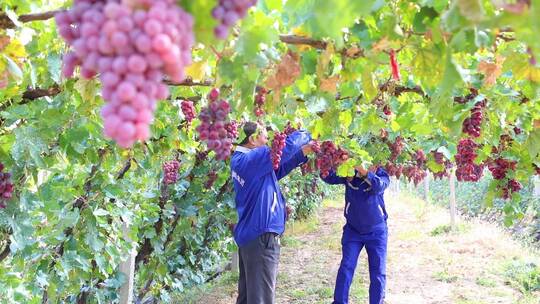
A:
[289, 129]
[170, 172]
[260, 99]
[212, 129]
[329, 157]
[414, 174]
[441, 160]
[537, 169]
[307, 168]
[227, 12]
[396, 148]
[466, 169]
[131, 46]
[212, 177]
[394, 170]
[517, 130]
[188, 110]
[500, 166]
[232, 129]
[464, 99]
[6, 187]
[472, 125]
[512, 186]
[278, 143]
[420, 158]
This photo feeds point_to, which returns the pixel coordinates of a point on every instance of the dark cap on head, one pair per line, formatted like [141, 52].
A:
[249, 128]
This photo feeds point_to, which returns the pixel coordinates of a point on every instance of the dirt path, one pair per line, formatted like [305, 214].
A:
[426, 264]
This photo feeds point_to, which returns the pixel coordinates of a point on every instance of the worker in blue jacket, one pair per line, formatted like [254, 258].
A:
[365, 226]
[261, 210]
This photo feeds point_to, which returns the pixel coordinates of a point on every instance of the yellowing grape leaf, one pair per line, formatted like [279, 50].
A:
[286, 72]
[197, 70]
[324, 60]
[381, 45]
[330, 84]
[302, 33]
[491, 70]
[15, 50]
[537, 123]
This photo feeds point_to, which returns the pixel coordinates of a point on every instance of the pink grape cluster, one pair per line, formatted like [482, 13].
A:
[466, 169]
[512, 186]
[394, 170]
[420, 158]
[396, 148]
[228, 12]
[260, 99]
[441, 160]
[232, 129]
[289, 129]
[132, 46]
[6, 187]
[212, 129]
[278, 143]
[500, 166]
[188, 110]
[329, 157]
[170, 172]
[472, 125]
[414, 174]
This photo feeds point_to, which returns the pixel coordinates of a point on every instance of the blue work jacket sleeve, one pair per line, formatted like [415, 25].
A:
[379, 181]
[286, 167]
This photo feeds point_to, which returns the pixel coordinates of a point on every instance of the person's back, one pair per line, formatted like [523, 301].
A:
[261, 213]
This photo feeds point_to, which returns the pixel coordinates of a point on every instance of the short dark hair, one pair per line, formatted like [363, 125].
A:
[249, 128]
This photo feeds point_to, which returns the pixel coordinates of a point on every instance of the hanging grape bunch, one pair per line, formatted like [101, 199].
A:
[212, 177]
[213, 127]
[440, 159]
[260, 99]
[466, 169]
[132, 46]
[329, 157]
[464, 99]
[188, 109]
[472, 125]
[6, 187]
[396, 148]
[170, 172]
[278, 143]
[228, 12]
[232, 129]
[289, 129]
[394, 170]
[500, 166]
[512, 186]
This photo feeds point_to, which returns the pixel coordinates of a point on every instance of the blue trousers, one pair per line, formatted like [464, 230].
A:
[352, 243]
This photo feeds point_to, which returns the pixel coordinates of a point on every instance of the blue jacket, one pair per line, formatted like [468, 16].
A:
[259, 201]
[364, 202]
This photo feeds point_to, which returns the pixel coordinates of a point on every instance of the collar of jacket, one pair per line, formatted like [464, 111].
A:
[242, 149]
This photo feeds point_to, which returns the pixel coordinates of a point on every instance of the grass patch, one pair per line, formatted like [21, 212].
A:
[446, 229]
[409, 235]
[485, 281]
[333, 203]
[445, 276]
[225, 283]
[309, 225]
[524, 276]
[291, 241]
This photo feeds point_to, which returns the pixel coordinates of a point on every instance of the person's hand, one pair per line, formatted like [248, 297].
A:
[307, 148]
[361, 170]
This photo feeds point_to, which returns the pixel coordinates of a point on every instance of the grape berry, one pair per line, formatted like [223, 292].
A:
[6, 187]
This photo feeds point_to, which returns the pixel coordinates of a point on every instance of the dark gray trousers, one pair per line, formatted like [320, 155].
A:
[258, 262]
